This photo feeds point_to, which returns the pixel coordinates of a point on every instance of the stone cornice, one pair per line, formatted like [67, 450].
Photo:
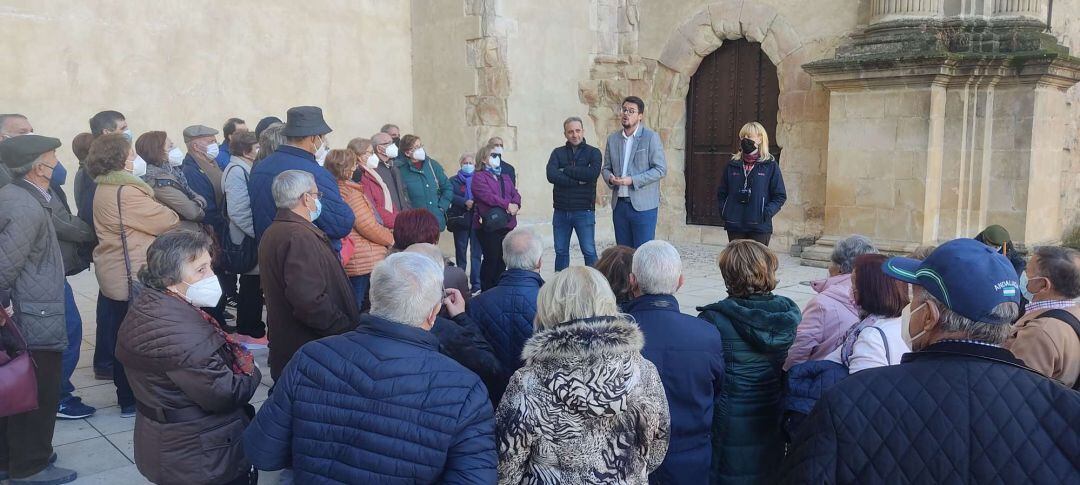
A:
[1045, 69]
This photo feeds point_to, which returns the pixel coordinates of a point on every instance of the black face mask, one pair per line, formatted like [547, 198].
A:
[748, 145]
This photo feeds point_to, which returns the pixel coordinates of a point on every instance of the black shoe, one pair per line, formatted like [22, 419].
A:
[103, 374]
[254, 331]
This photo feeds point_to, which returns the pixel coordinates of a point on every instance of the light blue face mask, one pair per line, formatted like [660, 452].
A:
[1023, 287]
[467, 169]
[318, 210]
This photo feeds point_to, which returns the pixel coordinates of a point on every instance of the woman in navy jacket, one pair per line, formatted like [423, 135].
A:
[751, 189]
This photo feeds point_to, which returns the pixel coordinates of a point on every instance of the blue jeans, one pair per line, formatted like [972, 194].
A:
[633, 227]
[463, 241]
[562, 224]
[360, 286]
[70, 358]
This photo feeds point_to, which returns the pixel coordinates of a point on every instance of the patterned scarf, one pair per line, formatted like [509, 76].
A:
[242, 360]
[749, 159]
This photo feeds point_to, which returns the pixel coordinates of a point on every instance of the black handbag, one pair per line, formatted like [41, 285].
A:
[496, 218]
[237, 258]
[458, 218]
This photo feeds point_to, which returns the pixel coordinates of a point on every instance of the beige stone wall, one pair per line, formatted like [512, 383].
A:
[1066, 27]
[167, 64]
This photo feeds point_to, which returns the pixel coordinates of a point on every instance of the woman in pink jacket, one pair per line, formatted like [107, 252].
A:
[832, 311]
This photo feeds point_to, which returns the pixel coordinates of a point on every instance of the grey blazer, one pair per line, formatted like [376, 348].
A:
[647, 166]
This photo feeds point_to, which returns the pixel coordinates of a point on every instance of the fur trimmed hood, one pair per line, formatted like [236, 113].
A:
[592, 337]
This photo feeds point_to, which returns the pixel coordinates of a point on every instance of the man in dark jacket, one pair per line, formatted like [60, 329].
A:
[959, 408]
[308, 295]
[32, 270]
[380, 404]
[305, 135]
[505, 312]
[689, 356]
[573, 170]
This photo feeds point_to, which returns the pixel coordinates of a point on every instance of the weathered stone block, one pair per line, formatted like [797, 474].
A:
[841, 190]
[908, 104]
[491, 110]
[912, 133]
[865, 105]
[784, 37]
[755, 19]
[679, 55]
[879, 193]
[589, 92]
[495, 81]
[724, 16]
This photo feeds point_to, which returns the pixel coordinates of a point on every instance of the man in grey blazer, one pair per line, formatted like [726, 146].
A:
[633, 166]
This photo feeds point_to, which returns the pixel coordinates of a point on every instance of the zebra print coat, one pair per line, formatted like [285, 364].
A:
[586, 408]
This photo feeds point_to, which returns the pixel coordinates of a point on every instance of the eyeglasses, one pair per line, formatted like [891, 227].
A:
[629, 111]
[318, 195]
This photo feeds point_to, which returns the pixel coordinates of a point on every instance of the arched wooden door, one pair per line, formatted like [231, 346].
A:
[734, 85]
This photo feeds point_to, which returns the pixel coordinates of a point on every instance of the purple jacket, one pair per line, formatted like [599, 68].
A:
[486, 194]
[825, 320]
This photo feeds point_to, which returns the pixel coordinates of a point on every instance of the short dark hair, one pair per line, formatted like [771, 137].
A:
[105, 120]
[151, 147]
[749, 268]
[243, 143]
[407, 142]
[386, 128]
[875, 293]
[1061, 266]
[415, 226]
[615, 264]
[166, 256]
[108, 153]
[80, 146]
[229, 129]
[637, 101]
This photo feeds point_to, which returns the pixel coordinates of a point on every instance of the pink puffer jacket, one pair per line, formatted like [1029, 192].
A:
[824, 321]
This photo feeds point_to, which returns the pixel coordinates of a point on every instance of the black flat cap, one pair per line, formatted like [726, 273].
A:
[264, 124]
[305, 121]
[20, 151]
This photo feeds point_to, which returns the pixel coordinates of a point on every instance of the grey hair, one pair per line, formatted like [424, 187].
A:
[167, 255]
[657, 268]
[571, 120]
[6, 116]
[21, 171]
[386, 128]
[522, 249]
[986, 332]
[430, 250]
[846, 250]
[289, 186]
[466, 155]
[574, 293]
[270, 139]
[405, 288]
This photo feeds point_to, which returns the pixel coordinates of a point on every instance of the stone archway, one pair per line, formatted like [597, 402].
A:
[803, 116]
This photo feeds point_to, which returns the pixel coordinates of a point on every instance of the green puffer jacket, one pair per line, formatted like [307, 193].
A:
[747, 442]
[428, 187]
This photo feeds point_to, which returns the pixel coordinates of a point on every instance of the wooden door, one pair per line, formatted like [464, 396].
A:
[734, 85]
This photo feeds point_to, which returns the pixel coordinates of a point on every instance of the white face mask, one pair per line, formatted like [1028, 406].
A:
[320, 153]
[497, 150]
[212, 150]
[176, 157]
[392, 151]
[205, 293]
[419, 154]
[138, 167]
[905, 325]
[372, 161]
[128, 134]
[494, 160]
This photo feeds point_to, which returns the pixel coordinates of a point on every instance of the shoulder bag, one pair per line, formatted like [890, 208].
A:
[236, 258]
[496, 218]
[133, 288]
[18, 380]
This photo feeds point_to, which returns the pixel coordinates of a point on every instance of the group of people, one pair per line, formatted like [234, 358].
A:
[391, 364]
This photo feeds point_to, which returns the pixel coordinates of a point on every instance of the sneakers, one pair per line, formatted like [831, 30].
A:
[74, 409]
[127, 411]
[51, 475]
[4, 474]
[231, 301]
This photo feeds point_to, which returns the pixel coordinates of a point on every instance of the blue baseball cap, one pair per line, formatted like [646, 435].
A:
[969, 277]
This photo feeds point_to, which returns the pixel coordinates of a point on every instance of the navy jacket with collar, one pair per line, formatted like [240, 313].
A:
[688, 353]
[955, 412]
[379, 404]
[574, 171]
[337, 217]
[767, 196]
[505, 315]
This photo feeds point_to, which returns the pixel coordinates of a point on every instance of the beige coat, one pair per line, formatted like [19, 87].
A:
[144, 219]
[1047, 345]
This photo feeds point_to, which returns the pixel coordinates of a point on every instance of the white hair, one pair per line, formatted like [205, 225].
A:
[430, 250]
[657, 268]
[522, 249]
[289, 186]
[575, 293]
[405, 288]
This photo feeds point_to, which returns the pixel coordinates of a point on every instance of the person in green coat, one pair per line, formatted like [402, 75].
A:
[424, 179]
[757, 329]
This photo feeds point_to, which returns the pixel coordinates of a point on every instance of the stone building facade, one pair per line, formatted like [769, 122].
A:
[911, 121]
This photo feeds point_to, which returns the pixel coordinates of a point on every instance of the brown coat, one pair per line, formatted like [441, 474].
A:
[1047, 345]
[175, 361]
[144, 219]
[307, 293]
[371, 239]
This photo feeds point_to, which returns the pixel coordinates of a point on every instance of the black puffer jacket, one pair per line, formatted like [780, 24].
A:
[573, 171]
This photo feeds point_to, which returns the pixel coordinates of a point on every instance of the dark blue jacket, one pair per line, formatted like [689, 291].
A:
[689, 356]
[336, 219]
[953, 412]
[574, 171]
[767, 196]
[808, 381]
[200, 184]
[224, 156]
[380, 405]
[505, 315]
[85, 187]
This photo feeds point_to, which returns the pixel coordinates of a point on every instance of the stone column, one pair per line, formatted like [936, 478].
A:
[888, 10]
[1026, 9]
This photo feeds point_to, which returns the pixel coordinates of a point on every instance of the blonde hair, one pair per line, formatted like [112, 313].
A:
[482, 156]
[575, 293]
[748, 267]
[755, 128]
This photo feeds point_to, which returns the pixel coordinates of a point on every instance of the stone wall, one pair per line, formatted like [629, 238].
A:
[171, 63]
[1066, 27]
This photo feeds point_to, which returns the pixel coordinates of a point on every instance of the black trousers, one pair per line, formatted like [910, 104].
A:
[26, 439]
[761, 237]
[493, 266]
[249, 306]
[110, 314]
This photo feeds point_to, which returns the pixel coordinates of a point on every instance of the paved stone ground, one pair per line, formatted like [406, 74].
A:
[101, 447]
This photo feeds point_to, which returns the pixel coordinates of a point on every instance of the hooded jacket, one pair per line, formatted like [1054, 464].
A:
[826, 318]
[585, 408]
[757, 332]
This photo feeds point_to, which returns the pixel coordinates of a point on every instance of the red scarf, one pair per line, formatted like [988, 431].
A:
[242, 360]
[748, 161]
